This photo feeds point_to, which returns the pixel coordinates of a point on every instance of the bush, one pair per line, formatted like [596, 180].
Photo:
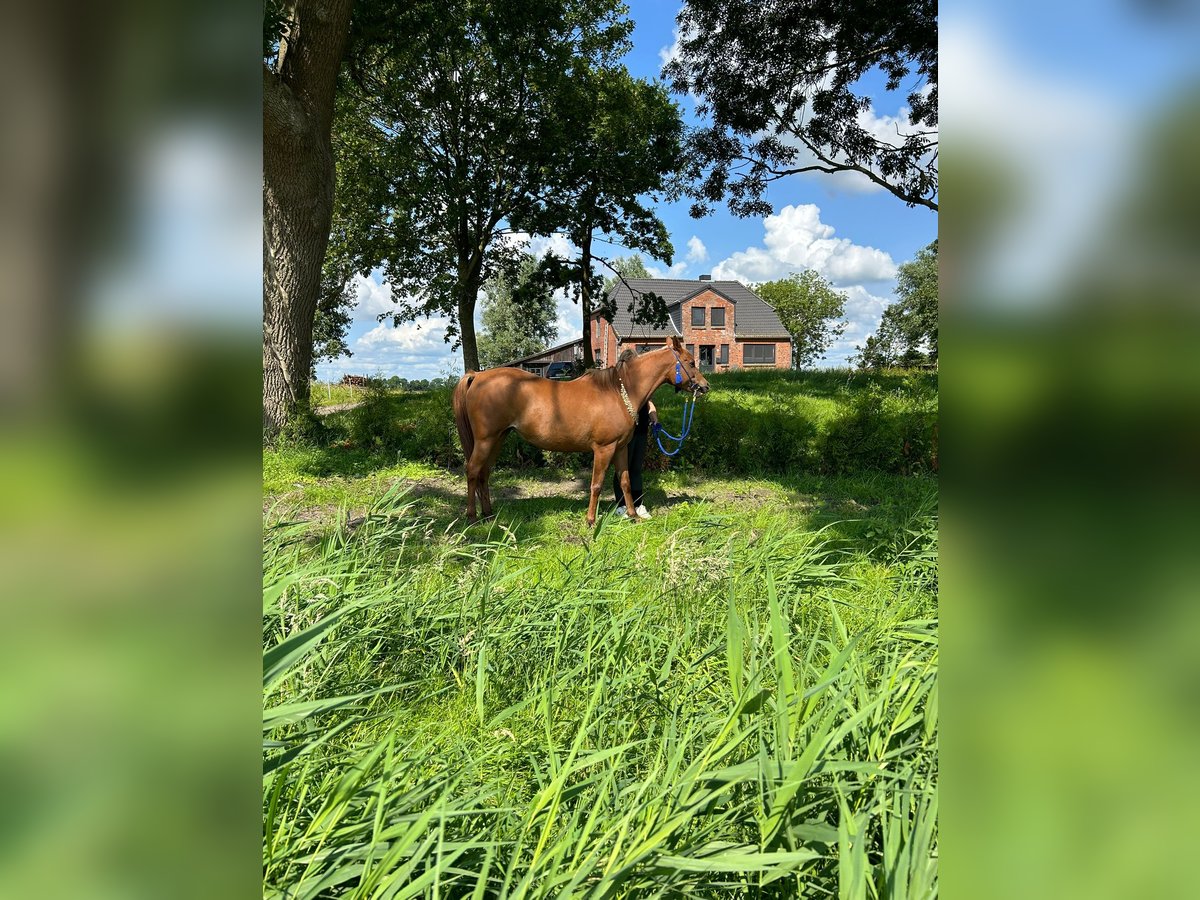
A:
[410, 426]
[303, 429]
[890, 431]
[753, 422]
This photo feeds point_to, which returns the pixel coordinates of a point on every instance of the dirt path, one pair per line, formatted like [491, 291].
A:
[336, 407]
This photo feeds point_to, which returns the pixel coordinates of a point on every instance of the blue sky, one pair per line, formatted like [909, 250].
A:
[846, 228]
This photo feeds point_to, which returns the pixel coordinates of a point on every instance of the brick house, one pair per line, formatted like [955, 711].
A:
[724, 324]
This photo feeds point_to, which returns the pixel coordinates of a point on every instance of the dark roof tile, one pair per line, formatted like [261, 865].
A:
[752, 316]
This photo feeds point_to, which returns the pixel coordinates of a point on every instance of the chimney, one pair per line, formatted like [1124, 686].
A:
[706, 278]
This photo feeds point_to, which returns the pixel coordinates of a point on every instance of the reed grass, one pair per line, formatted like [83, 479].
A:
[693, 707]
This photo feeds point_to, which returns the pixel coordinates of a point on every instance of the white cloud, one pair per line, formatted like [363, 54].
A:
[697, 252]
[425, 335]
[863, 312]
[675, 271]
[666, 54]
[411, 350]
[796, 239]
[540, 245]
[372, 298]
[569, 321]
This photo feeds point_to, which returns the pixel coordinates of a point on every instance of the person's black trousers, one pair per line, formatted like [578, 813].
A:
[637, 456]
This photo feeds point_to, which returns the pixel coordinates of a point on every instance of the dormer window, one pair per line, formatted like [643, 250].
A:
[697, 316]
[718, 317]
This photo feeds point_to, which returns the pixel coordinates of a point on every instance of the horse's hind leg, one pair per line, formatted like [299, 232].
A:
[600, 461]
[485, 484]
[621, 458]
[478, 472]
[476, 477]
[472, 488]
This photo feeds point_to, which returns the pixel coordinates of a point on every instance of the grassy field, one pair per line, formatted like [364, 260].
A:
[737, 698]
[334, 394]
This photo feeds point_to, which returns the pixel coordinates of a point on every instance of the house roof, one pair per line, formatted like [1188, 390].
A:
[753, 317]
[541, 353]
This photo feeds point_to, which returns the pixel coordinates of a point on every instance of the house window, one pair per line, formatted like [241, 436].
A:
[758, 353]
[644, 348]
[718, 317]
[691, 348]
[697, 316]
[723, 356]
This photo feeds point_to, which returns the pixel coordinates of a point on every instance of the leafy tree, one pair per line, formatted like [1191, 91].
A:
[908, 333]
[358, 160]
[450, 133]
[335, 308]
[516, 323]
[303, 45]
[917, 288]
[882, 349]
[810, 309]
[780, 82]
[620, 142]
[625, 267]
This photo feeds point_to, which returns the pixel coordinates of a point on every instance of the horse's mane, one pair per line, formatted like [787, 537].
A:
[607, 378]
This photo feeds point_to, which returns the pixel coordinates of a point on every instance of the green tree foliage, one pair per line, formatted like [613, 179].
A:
[908, 332]
[625, 267]
[810, 309]
[781, 84]
[518, 317]
[620, 151]
[335, 312]
[447, 136]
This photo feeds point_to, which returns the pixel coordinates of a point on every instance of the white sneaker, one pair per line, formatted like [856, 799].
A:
[642, 512]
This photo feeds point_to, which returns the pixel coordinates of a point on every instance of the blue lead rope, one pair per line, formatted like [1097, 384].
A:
[689, 412]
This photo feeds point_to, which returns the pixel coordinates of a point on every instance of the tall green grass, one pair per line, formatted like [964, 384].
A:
[693, 707]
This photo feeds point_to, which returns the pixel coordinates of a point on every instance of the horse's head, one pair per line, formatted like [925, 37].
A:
[686, 375]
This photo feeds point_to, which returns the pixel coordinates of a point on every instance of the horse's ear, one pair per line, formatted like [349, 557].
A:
[676, 343]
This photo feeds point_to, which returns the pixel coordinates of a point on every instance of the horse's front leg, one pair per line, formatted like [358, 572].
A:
[602, 456]
[621, 458]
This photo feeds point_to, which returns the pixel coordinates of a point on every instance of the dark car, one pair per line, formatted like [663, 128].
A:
[558, 370]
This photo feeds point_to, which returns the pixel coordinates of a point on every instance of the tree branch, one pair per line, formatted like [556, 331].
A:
[833, 166]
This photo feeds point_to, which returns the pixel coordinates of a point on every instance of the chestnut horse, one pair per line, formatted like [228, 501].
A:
[595, 412]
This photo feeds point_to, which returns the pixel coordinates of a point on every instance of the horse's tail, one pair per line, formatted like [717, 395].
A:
[461, 419]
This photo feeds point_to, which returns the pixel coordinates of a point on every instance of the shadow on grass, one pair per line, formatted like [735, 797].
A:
[858, 508]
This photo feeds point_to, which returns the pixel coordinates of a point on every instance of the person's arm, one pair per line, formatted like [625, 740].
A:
[653, 412]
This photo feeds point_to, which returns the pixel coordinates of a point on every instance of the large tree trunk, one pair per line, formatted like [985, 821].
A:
[466, 330]
[585, 297]
[297, 196]
[470, 276]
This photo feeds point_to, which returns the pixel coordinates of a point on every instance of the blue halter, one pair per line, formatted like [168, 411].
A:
[689, 412]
